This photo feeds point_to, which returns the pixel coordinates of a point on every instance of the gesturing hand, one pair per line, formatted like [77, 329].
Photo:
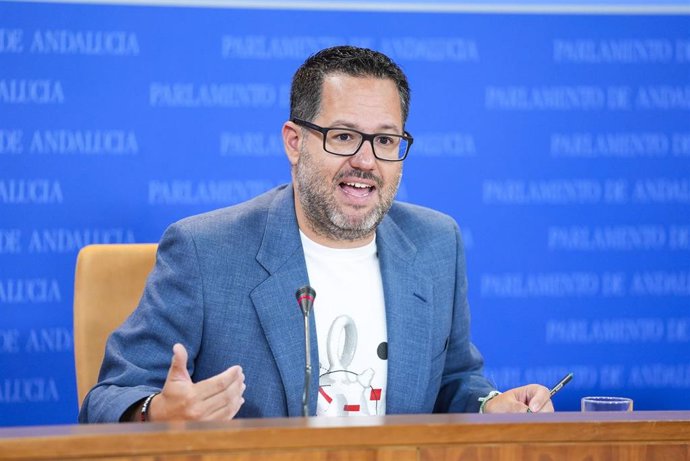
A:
[218, 398]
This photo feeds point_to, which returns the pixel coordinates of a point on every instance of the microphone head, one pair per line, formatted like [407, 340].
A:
[305, 298]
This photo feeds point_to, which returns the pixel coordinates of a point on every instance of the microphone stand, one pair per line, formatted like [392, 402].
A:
[307, 370]
[305, 298]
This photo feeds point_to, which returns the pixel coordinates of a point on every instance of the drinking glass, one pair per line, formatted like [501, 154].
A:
[606, 404]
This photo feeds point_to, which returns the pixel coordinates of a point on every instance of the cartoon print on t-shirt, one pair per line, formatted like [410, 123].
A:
[343, 391]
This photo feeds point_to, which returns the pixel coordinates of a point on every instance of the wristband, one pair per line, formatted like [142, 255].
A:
[483, 400]
[144, 415]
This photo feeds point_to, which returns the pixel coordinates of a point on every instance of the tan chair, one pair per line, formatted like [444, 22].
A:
[108, 283]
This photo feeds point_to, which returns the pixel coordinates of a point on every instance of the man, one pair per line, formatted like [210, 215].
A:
[391, 314]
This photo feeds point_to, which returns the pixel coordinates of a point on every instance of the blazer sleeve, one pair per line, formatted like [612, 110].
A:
[138, 353]
[463, 381]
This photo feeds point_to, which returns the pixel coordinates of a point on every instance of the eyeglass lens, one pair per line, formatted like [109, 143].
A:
[346, 142]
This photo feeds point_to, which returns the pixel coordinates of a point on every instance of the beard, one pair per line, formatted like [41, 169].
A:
[328, 218]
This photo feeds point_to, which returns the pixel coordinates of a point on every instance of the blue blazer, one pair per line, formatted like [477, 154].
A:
[224, 286]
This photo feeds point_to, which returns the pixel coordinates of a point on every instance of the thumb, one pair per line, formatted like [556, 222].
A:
[178, 365]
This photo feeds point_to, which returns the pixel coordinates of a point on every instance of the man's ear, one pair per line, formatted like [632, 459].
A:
[292, 139]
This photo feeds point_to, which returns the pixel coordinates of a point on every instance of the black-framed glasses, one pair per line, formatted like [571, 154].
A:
[347, 142]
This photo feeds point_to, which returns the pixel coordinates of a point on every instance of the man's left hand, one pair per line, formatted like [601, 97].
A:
[534, 397]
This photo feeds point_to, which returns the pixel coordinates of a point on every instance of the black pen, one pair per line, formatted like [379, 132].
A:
[566, 379]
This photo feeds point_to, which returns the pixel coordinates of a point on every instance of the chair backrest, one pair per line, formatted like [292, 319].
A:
[108, 284]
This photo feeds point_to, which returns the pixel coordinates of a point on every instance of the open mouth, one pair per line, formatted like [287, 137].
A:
[357, 189]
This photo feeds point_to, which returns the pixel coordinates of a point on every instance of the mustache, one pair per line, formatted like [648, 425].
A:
[359, 174]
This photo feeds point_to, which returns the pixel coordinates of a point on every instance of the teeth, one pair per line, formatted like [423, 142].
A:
[357, 185]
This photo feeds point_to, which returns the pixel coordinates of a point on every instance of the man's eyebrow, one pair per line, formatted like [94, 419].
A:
[346, 124]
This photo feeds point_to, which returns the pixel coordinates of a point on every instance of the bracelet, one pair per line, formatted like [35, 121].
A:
[144, 415]
[483, 400]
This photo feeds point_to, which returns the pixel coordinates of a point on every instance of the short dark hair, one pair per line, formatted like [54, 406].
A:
[307, 83]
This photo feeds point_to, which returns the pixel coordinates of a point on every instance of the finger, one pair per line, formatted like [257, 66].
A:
[178, 365]
[237, 388]
[230, 399]
[219, 383]
[236, 392]
[547, 408]
[226, 412]
[224, 405]
[235, 407]
[538, 398]
[231, 403]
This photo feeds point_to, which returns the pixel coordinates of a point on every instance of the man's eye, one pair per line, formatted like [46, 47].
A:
[385, 140]
[342, 137]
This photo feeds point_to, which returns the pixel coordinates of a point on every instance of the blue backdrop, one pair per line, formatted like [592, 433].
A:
[560, 143]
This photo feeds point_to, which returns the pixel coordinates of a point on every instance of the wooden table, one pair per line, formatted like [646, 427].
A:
[540, 437]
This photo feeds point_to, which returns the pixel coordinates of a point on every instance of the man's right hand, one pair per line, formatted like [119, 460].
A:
[218, 398]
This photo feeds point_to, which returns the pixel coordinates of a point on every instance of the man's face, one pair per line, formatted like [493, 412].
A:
[341, 200]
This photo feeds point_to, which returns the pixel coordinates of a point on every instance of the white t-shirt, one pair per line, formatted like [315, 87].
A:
[350, 315]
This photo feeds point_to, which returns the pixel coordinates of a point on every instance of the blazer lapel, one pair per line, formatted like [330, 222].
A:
[282, 256]
[408, 297]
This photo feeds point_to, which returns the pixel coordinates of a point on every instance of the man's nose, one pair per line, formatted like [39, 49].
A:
[364, 159]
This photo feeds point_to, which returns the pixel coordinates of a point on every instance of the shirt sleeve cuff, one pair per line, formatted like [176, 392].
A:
[485, 399]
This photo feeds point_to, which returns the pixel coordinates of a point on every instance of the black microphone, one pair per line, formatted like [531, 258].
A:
[305, 298]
